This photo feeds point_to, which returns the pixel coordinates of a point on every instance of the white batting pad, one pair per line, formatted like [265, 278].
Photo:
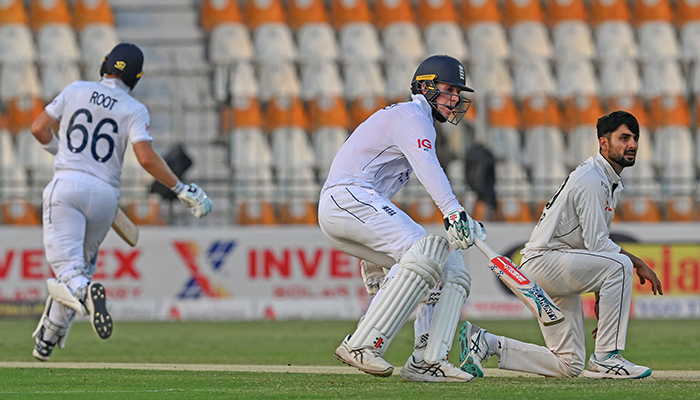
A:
[418, 271]
[60, 292]
[455, 289]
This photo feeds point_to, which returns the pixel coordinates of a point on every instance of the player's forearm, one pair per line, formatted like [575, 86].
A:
[636, 261]
[157, 167]
[41, 128]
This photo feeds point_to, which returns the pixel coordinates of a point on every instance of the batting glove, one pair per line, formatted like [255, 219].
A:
[372, 276]
[193, 197]
[462, 229]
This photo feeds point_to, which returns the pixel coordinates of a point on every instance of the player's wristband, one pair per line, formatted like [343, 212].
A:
[178, 188]
[51, 146]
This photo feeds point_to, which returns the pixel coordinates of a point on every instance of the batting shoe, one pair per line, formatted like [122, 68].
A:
[96, 304]
[44, 348]
[441, 371]
[473, 349]
[366, 359]
[614, 367]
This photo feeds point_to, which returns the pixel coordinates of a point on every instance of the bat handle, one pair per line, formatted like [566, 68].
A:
[484, 248]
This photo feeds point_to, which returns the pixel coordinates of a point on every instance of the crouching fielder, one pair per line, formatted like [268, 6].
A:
[358, 218]
[80, 203]
[570, 253]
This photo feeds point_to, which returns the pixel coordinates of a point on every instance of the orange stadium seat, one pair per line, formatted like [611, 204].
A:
[609, 10]
[516, 11]
[565, 10]
[571, 33]
[389, 12]
[655, 30]
[259, 12]
[88, 12]
[302, 12]
[253, 212]
[502, 111]
[215, 12]
[668, 110]
[513, 210]
[435, 11]
[350, 11]
[631, 104]
[581, 110]
[680, 209]
[652, 10]
[49, 12]
[20, 212]
[476, 11]
[687, 11]
[144, 211]
[529, 35]
[540, 111]
[639, 209]
[328, 112]
[244, 113]
[21, 113]
[424, 211]
[13, 12]
[298, 212]
[363, 108]
[285, 111]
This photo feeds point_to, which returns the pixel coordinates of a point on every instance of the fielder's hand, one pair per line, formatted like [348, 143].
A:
[193, 197]
[461, 229]
[372, 276]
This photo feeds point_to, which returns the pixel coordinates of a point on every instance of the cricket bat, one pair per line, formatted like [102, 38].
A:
[125, 228]
[529, 292]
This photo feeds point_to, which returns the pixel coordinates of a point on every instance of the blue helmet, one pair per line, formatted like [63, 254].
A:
[442, 69]
[125, 61]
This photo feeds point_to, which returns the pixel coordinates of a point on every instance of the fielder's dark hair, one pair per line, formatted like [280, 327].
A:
[609, 123]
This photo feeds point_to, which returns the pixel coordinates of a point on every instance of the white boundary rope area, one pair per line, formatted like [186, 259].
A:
[675, 375]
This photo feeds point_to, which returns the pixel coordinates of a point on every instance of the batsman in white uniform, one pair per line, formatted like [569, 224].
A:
[95, 121]
[358, 218]
[570, 253]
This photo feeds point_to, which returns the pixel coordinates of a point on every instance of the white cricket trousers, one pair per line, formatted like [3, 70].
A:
[565, 275]
[370, 227]
[78, 210]
[365, 225]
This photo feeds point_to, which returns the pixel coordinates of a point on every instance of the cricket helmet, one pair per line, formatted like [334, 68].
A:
[125, 61]
[442, 69]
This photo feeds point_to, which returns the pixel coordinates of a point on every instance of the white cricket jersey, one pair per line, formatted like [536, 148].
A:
[383, 151]
[97, 118]
[580, 213]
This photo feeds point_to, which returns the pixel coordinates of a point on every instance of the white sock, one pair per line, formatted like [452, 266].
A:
[494, 343]
[418, 354]
[601, 356]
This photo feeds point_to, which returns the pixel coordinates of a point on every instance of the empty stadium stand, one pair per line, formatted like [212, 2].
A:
[262, 93]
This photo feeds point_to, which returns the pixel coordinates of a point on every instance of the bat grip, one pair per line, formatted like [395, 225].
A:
[484, 248]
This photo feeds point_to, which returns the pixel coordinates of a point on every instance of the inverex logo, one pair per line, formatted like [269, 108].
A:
[199, 282]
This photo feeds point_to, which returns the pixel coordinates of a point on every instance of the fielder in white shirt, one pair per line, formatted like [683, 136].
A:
[570, 253]
[357, 217]
[95, 120]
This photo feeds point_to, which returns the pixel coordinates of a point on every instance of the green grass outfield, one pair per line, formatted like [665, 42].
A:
[210, 348]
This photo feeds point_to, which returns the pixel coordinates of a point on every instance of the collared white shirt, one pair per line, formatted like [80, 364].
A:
[580, 213]
[97, 118]
[383, 151]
